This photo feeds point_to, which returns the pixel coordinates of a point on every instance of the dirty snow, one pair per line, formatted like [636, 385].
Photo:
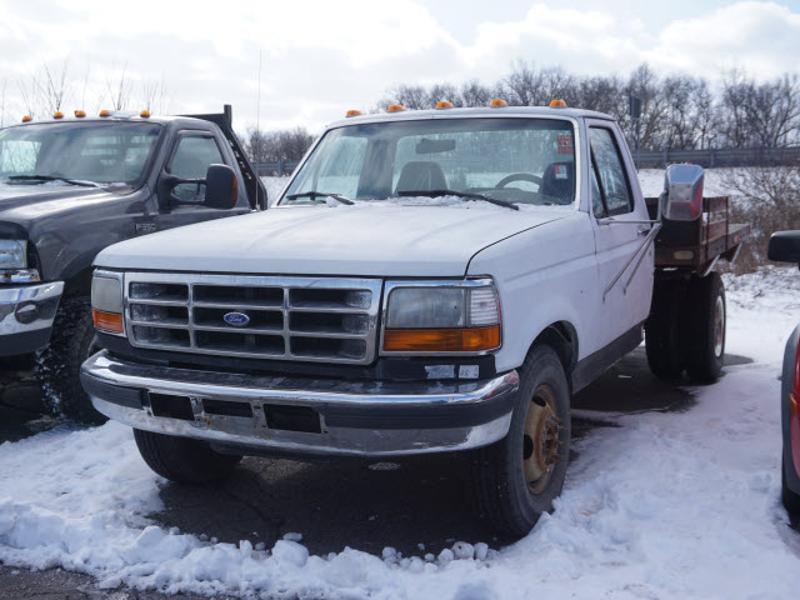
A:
[668, 505]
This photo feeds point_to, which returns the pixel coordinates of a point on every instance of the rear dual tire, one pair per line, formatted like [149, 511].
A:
[686, 329]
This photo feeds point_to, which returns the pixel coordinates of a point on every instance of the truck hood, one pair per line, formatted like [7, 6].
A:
[363, 240]
[20, 203]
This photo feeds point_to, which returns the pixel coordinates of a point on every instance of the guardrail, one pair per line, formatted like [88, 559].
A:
[720, 157]
[709, 158]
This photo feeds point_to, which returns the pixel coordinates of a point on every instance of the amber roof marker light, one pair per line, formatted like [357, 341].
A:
[393, 108]
[443, 104]
[557, 103]
[80, 114]
[497, 103]
[353, 112]
[104, 113]
[27, 119]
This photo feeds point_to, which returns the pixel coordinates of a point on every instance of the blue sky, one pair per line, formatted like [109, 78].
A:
[321, 57]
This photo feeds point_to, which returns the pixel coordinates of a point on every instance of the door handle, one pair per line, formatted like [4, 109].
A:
[643, 231]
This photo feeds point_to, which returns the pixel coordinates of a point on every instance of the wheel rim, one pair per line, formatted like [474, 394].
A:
[540, 442]
[719, 326]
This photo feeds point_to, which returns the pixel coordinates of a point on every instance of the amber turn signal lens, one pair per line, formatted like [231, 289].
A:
[107, 322]
[471, 339]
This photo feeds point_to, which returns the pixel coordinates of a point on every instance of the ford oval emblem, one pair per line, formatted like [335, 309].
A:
[236, 319]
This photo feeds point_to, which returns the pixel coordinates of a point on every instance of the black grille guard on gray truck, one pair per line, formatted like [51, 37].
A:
[302, 416]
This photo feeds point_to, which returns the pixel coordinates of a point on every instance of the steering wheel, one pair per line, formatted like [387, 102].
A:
[530, 177]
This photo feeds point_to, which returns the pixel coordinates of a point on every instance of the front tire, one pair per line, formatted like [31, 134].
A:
[183, 460]
[519, 477]
[791, 500]
[58, 366]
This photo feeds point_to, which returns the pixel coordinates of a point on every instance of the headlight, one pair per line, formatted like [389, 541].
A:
[14, 263]
[442, 317]
[13, 254]
[107, 304]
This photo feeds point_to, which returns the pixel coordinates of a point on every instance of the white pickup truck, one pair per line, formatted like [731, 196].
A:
[429, 281]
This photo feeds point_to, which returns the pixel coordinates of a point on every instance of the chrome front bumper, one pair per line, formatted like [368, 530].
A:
[26, 316]
[234, 410]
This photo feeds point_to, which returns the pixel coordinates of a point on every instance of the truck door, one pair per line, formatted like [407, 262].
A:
[193, 152]
[625, 266]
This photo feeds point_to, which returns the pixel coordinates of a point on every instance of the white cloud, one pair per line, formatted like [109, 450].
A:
[762, 38]
[322, 57]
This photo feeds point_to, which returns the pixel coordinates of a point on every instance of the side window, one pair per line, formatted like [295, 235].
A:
[598, 204]
[616, 190]
[191, 159]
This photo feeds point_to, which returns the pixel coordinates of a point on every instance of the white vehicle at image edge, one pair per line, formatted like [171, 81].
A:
[429, 281]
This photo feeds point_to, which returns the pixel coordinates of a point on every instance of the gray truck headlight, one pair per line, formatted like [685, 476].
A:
[107, 303]
[446, 316]
[13, 254]
[14, 263]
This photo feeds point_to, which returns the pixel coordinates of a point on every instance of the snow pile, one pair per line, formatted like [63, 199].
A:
[716, 181]
[668, 505]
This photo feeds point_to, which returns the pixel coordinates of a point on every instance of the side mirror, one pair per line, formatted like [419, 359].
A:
[222, 187]
[784, 246]
[220, 183]
[682, 199]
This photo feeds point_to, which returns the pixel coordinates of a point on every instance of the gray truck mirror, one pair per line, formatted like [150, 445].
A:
[682, 198]
[784, 246]
[222, 188]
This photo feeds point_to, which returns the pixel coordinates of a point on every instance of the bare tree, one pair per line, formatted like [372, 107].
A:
[769, 199]
[27, 92]
[118, 88]
[154, 93]
[473, 93]
[52, 87]
[277, 146]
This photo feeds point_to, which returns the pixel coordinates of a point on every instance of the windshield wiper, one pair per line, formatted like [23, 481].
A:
[464, 195]
[52, 178]
[315, 194]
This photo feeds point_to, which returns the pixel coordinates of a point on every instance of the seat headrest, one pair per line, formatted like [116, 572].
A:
[421, 175]
[558, 181]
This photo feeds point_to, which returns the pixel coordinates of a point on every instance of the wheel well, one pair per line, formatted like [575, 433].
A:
[80, 284]
[562, 337]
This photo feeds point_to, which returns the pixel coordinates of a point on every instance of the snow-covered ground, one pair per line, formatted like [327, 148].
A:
[667, 505]
[716, 182]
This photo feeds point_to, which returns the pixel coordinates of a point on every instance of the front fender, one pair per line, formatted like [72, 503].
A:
[544, 275]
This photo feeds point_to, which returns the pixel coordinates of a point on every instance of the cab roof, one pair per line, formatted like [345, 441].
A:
[162, 120]
[485, 111]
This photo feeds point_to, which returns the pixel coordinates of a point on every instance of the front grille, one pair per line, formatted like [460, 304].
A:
[282, 318]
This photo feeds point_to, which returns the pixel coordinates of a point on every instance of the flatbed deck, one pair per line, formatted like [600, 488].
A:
[697, 245]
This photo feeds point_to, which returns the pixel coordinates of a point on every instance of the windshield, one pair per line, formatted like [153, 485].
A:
[102, 153]
[524, 161]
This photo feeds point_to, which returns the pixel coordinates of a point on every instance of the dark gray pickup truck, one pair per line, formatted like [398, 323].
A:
[71, 187]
